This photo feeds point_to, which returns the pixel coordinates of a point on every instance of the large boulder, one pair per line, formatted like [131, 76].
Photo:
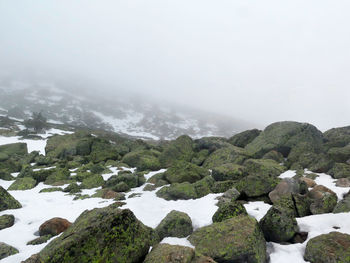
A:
[7, 201]
[255, 185]
[238, 239]
[6, 221]
[228, 171]
[230, 154]
[165, 253]
[244, 138]
[54, 226]
[229, 210]
[278, 225]
[288, 186]
[182, 171]
[7, 250]
[343, 205]
[284, 136]
[340, 154]
[143, 160]
[332, 247]
[101, 235]
[211, 143]
[175, 224]
[180, 149]
[24, 183]
[323, 200]
[337, 137]
[264, 167]
[340, 170]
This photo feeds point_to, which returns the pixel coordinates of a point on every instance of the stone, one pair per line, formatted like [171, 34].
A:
[6, 221]
[244, 138]
[54, 226]
[7, 250]
[7, 201]
[229, 210]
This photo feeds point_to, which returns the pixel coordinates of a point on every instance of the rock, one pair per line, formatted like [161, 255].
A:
[274, 155]
[179, 150]
[332, 247]
[343, 182]
[32, 259]
[288, 186]
[131, 180]
[7, 250]
[54, 226]
[7, 201]
[238, 239]
[228, 171]
[72, 188]
[200, 157]
[229, 210]
[284, 136]
[244, 138]
[222, 186]
[165, 253]
[12, 149]
[323, 200]
[51, 189]
[309, 182]
[337, 137]
[93, 181]
[6, 221]
[40, 240]
[101, 150]
[231, 154]
[143, 160]
[255, 186]
[109, 194]
[340, 170]
[59, 175]
[182, 171]
[101, 235]
[229, 196]
[340, 154]
[263, 167]
[24, 183]
[149, 187]
[183, 191]
[211, 144]
[343, 205]
[278, 225]
[175, 224]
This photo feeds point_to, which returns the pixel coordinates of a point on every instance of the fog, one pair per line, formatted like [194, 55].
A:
[261, 61]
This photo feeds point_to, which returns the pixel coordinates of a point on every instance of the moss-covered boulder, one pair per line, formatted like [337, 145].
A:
[143, 160]
[101, 150]
[7, 250]
[24, 183]
[332, 247]
[176, 191]
[323, 200]
[12, 149]
[229, 210]
[238, 239]
[72, 188]
[175, 224]
[337, 137]
[340, 170]
[230, 154]
[228, 171]
[274, 155]
[93, 181]
[288, 186]
[180, 149]
[340, 154]
[182, 171]
[264, 167]
[210, 144]
[101, 235]
[7, 201]
[222, 186]
[40, 240]
[255, 186]
[284, 136]
[6, 221]
[165, 253]
[58, 175]
[244, 138]
[130, 179]
[343, 205]
[6, 175]
[200, 157]
[278, 225]
[229, 196]
[51, 189]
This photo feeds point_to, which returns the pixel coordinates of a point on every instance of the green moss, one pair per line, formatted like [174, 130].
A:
[229, 210]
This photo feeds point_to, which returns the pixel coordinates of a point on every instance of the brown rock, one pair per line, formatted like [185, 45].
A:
[309, 182]
[54, 226]
[343, 182]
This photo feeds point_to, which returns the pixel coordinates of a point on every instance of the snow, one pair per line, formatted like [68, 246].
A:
[177, 241]
[115, 171]
[328, 181]
[257, 209]
[288, 174]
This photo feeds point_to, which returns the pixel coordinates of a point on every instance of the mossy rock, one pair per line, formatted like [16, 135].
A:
[120, 187]
[332, 247]
[7, 250]
[340, 170]
[229, 196]
[180, 149]
[143, 160]
[51, 189]
[175, 224]
[337, 137]
[231, 154]
[244, 138]
[93, 181]
[57, 176]
[222, 186]
[24, 183]
[103, 150]
[343, 205]
[130, 179]
[204, 186]
[339, 154]
[264, 167]
[200, 157]
[40, 240]
[278, 225]
[6, 221]
[7, 201]
[162, 253]
[211, 144]
[155, 178]
[228, 171]
[11, 165]
[72, 188]
[3, 156]
[41, 175]
[183, 191]
[322, 164]
[149, 187]
[255, 186]
[323, 200]
[6, 175]
[43, 160]
[101, 235]
[274, 155]
[11, 149]
[283, 136]
[238, 239]
[229, 210]
[182, 171]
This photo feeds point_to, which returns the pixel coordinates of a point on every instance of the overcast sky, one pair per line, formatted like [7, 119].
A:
[262, 61]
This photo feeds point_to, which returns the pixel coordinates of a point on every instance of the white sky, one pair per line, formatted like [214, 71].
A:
[262, 61]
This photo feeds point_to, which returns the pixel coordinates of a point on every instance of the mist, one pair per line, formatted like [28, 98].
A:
[260, 61]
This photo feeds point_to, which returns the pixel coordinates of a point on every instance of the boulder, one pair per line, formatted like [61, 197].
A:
[229, 210]
[19, 148]
[337, 137]
[58, 176]
[211, 144]
[309, 182]
[238, 239]
[229, 196]
[288, 186]
[332, 247]
[278, 225]
[228, 171]
[231, 154]
[183, 191]
[182, 171]
[7, 201]
[180, 149]
[274, 155]
[222, 186]
[244, 138]
[93, 181]
[6, 221]
[343, 205]
[343, 182]
[101, 235]
[340, 154]
[255, 186]
[7, 250]
[54, 226]
[175, 224]
[323, 200]
[24, 183]
[165, 253]
[264, 167]
[143, 160]
[40, 240]
[340, 170]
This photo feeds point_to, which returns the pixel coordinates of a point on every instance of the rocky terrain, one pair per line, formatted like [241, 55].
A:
[87, 195]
